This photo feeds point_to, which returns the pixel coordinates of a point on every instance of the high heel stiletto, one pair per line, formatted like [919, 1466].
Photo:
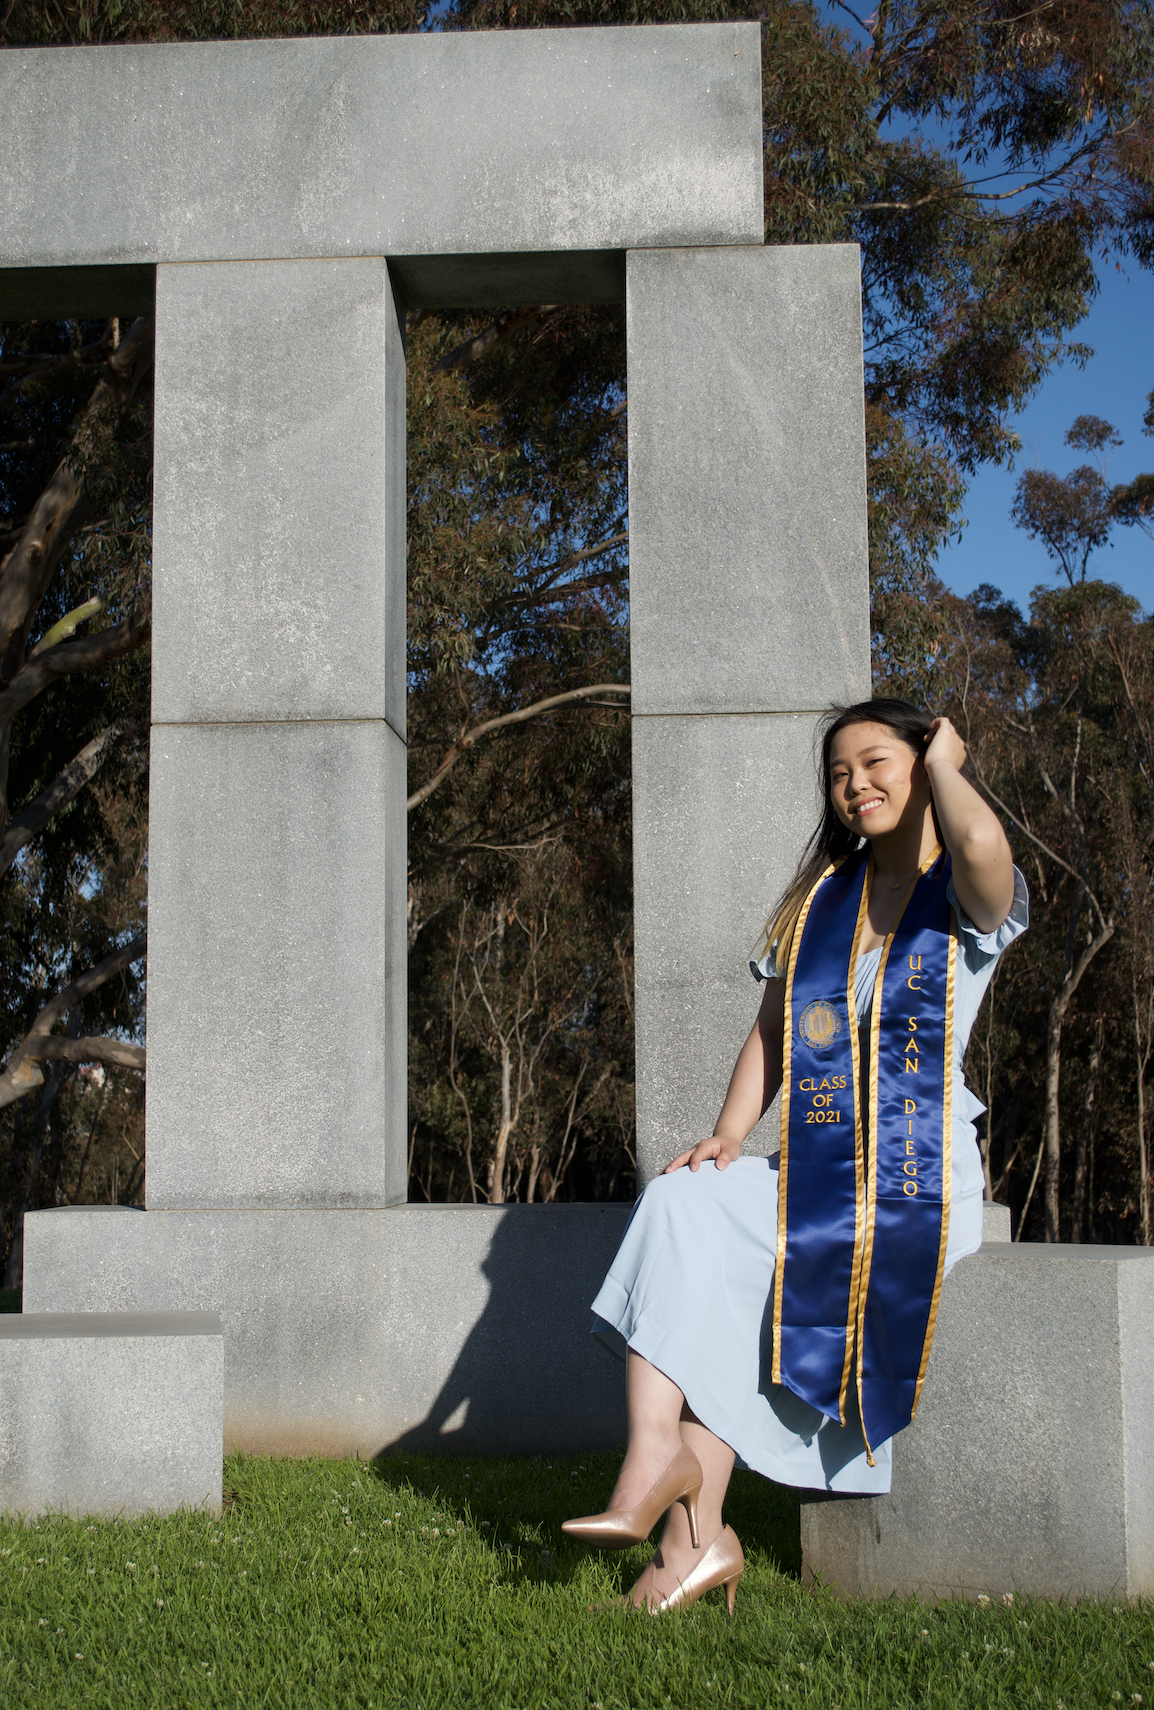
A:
[680, 1482]
[722, 1564]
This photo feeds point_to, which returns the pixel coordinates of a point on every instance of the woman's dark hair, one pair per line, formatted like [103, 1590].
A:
[832, 841]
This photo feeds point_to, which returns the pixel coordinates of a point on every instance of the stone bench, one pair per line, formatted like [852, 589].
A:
[112, 1413]
[1030, 1465]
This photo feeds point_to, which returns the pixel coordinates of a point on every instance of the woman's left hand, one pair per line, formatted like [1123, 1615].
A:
[944, 744]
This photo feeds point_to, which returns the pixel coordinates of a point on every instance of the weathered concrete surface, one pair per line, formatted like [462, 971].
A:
[748, 568]
[455, 1328]
[720, 808]
[996, 1223]
[749, 612]
[483, 143]
[110, 1413]
[1030, 1466]
[279, 502]
[277, 967]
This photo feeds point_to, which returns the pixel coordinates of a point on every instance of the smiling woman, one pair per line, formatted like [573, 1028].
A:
[782, 1310]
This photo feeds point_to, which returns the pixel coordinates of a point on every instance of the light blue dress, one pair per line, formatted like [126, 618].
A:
[691, 1287]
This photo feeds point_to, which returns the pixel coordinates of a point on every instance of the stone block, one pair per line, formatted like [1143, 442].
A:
[277, 966]
[462, 1329]
[279, 532]
[995, 1222]
[110, 1413]
[749, 586]
[1030, 1465]
[477, 143]
[722, 806]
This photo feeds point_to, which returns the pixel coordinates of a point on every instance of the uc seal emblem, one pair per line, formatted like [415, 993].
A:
[820, 1025]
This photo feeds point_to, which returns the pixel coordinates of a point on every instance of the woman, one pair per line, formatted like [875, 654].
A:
[782, 1309]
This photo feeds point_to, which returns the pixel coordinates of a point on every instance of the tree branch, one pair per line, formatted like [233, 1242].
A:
[551, 589]
[467, 738]
[495, 333]
[1044, 847]
[68, 658]
[58, 794]
[21, 1074]
[971, 192]
[89, 1050]
[61, 506]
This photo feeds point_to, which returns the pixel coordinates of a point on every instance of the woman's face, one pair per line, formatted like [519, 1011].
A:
[877, 782]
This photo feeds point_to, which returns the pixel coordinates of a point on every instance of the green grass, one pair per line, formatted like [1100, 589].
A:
[422, 1582]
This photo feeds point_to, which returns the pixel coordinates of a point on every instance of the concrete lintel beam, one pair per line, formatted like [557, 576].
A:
[478, 143]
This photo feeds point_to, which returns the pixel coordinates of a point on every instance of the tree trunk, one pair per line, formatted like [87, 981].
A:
[1058, 1010]
[1142, 1043]
[1053, 1130]
[534, 1171]
[497, 1172]
[1085, 1137]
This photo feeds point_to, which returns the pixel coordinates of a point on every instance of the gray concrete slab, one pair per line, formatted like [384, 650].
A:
[109, 1413]
[277, 965]
[749, 585]
[279, 494]
[534, 140]
[442, 1328]
[721, 809]
[1027, 1468]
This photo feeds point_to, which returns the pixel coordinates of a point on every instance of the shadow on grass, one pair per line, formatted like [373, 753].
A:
[515, 1508]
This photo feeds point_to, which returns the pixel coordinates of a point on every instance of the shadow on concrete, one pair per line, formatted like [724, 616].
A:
[528, 1378]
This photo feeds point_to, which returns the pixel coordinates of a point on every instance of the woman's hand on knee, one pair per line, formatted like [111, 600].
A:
[723, 1150]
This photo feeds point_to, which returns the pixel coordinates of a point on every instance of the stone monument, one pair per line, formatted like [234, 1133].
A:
[286, 203]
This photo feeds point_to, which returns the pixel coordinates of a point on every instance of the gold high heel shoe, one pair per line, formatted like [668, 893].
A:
[680, 1482]
[722, 1564]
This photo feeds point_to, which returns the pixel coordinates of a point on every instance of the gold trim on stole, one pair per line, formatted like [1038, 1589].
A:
[947, 1156]
[783, 1169]
[858, 1147]
[872, 1187]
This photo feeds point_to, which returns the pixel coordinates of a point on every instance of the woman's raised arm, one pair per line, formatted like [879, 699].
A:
[752, 1086]
[982, 863]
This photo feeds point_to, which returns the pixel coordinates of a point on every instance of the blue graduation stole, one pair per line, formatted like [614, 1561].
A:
[861, 1240]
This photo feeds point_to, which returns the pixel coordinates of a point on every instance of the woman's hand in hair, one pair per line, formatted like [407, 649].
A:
[944, 744]
[721, 1149]
[982, 864]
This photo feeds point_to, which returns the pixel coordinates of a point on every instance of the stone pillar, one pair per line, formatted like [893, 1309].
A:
[276, 1002]
[750, 613]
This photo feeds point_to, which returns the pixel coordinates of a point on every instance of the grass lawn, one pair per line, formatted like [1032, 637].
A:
[424, 1582]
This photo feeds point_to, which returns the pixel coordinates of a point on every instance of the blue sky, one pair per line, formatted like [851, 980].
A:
[1113, 384]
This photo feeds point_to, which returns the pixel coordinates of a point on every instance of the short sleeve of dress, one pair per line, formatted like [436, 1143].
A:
[982, 946]
[765, 968]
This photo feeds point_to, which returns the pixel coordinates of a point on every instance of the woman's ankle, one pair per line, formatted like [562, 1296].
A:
[646, 1458]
